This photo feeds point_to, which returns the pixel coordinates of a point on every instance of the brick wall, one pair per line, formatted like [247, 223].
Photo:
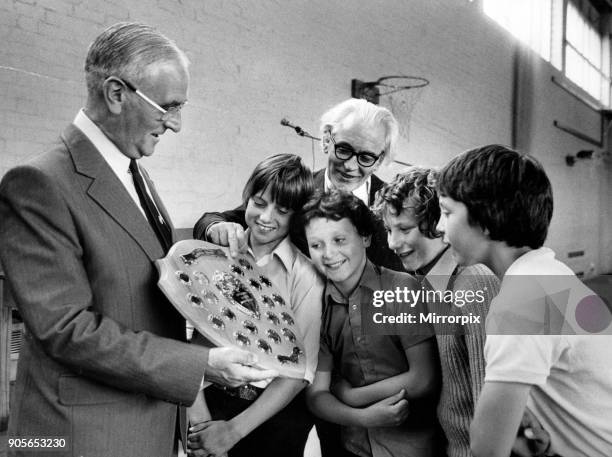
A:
[254, 63]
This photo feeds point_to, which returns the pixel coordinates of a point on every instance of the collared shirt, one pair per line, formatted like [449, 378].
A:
[570, 374]
[117, 161]
[366, 359]
[362, 192]
[295, 276]
[424, 270]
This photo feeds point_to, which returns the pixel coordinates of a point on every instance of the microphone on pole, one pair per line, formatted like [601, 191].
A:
[299, 130]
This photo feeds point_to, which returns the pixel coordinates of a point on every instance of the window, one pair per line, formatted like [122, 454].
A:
[528, 20]
[566, 33]
[585, 49]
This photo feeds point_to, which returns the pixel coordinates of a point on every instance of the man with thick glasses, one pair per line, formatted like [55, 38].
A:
[345, 151]
[104, 363]
[357, 137]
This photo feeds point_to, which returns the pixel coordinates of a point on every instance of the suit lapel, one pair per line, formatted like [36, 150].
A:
[319, 179]
[109, 193]
[375, 184]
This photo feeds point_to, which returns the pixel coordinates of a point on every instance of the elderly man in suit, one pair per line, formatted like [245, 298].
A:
[104, 363]
[358, 137]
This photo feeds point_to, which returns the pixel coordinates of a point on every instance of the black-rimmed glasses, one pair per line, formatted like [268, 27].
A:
[345, 151]
[166, 111]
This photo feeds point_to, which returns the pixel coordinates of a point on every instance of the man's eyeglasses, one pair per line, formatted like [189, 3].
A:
[166, 111]
[345, 151]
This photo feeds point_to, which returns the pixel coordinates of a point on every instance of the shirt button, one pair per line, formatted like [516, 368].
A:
[354, 306]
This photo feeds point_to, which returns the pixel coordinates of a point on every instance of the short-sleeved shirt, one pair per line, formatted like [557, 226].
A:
[293, 273]
[570, 374]
[365, 359]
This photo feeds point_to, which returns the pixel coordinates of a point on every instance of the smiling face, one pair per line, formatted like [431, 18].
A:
[414, 249]
[469, 243]
[269, 223]
[338, 251]
[348, 174]
[139, 126]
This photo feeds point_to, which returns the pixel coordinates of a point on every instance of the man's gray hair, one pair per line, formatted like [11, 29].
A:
[356, 111]
[126, 50]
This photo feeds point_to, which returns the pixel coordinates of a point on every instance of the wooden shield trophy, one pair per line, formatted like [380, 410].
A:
[232, 303]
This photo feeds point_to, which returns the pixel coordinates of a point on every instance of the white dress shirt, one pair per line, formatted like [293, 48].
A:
[119, 162]
[362, 192]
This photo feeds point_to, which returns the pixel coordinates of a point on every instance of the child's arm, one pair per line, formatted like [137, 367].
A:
[390, 411]
[199, 412]
[277, 395]
[476, 278]
[218, 437]
[421, 378]
[497, 418]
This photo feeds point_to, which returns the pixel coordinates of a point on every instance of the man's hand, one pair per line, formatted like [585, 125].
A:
[532, 439]
[228, 234]
[234, 367]
[389, 412]
[212, 438]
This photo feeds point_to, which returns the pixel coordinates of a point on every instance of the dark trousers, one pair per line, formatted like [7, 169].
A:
[329, 437]
[283, 435]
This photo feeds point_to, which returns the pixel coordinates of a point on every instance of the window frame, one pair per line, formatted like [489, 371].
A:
[603, 71]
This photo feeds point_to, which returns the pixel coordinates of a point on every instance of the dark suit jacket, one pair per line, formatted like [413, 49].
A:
[378, 252]
[102, 363]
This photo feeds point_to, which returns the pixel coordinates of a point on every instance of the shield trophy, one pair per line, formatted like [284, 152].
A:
[231, 302]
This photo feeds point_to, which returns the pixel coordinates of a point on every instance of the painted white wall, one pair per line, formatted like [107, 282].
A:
[254, 63]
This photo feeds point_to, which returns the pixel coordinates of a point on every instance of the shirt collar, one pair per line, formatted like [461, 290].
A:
[370, 280]
[118, 162]
[284, 251]
[425, 269]
[441, 271]
[362, 192]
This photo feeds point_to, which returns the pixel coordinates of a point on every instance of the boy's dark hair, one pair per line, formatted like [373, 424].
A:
[290, 181]
[336, 205]
[505, 191]
[416, 190]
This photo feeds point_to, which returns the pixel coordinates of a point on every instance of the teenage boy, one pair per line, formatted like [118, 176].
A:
[496, 207]
[271, 421]
[409, 209]
[380, 374]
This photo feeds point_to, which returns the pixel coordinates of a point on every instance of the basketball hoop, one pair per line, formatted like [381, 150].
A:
[399, 94]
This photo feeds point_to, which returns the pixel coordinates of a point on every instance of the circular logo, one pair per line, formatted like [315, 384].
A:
[592, 314]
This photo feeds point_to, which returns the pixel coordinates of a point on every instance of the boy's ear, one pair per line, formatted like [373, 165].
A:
[367, 240]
